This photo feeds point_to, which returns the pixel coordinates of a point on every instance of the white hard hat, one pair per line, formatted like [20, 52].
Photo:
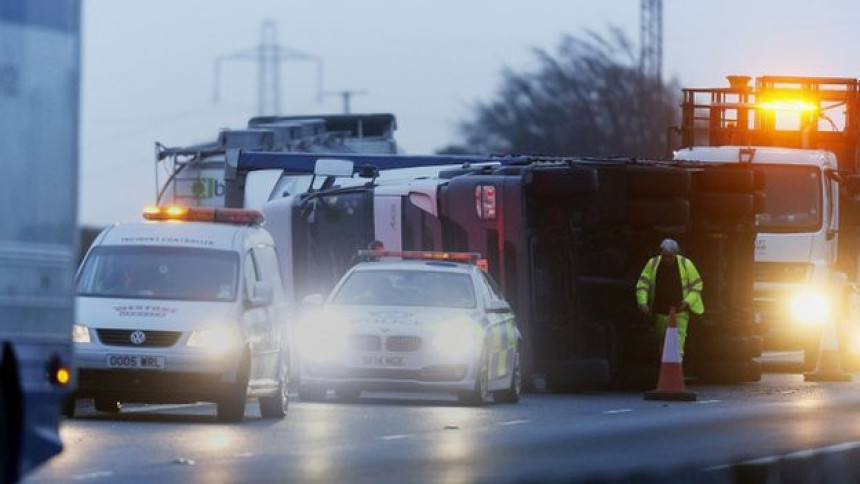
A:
[669, 245]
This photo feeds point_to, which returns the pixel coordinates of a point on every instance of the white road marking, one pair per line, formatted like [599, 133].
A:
[92, 475]
[394, 437]
[162, 408]
[245, 454]
[706, 402]
[620, 410]
[515, 422]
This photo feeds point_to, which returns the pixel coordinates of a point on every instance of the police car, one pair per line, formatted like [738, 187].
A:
[412, 321]
[186, 307]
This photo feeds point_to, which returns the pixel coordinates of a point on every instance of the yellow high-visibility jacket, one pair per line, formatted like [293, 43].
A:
[691, 283]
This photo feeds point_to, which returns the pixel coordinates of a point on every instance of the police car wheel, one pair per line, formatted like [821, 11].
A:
[479, 394]
[231, 404]
[512, 394]
[108, 405]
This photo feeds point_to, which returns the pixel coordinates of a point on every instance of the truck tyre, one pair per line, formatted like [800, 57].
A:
[563, 182]
[231, 403]
[6, 454]
[724, 205]
[647, 212]
[727, 348]
[311, 393]
[275, 406]
[10, 418]
[108, 405]
[512, 394]
[725, 180]
[478, 394]
[650, 181]
[638, 377]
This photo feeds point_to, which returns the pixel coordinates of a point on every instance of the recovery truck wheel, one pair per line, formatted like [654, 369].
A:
[69, 404]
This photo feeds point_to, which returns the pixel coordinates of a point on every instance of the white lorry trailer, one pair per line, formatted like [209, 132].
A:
[39, 97]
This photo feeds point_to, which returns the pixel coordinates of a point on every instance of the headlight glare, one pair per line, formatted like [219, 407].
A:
[80, 333]
[324, 341]
[455, 340]
[809, 307]
[217, 340]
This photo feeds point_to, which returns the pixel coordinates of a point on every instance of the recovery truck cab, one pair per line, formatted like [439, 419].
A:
[800, 133]
[185, 307]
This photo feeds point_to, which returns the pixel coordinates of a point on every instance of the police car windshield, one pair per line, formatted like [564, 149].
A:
[406, 288]
[179, 273]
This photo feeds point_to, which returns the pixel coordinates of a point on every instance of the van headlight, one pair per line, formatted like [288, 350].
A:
[216, 340]
[809, 307]
[456, 340]
[81, 333]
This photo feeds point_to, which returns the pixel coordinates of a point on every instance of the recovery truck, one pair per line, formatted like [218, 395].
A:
[802, 134]
[39, 99]
[566, 239]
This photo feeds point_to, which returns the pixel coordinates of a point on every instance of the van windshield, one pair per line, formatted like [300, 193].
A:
[144, 272]
[792, 199]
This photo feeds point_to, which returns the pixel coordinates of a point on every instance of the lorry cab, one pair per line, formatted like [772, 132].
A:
[797, 235]
[178, 310]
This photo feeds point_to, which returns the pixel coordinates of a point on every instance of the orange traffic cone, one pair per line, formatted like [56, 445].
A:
[828, 367]
[670, 385]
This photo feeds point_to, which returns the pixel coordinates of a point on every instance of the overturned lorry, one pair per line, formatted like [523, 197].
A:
[565, 238]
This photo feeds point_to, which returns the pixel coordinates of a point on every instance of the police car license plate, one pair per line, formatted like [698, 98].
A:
[145, 362]
[376, 360]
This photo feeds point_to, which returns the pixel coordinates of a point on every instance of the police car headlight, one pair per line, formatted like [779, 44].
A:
[323, 340]
[216, 340]
[455, 340]
[81, 333]
[809, 307]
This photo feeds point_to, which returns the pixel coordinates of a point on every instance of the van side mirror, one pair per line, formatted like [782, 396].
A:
[261, 294]
[498, 306]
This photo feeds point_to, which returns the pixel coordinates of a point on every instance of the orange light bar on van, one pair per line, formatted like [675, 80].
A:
[238, 216]
[471, 257]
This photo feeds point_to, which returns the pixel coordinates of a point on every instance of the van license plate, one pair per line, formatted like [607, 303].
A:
[144, 362]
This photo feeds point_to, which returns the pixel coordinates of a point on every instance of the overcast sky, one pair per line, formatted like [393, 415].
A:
[148, 65]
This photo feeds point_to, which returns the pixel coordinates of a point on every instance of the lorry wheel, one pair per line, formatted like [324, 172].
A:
[728, 372]
[657, 182]
[6, 453]
[644, 212]
[725, 205]
[108, 405]
[311, 393]
[275, 406]
[512, 394]
[577, 375]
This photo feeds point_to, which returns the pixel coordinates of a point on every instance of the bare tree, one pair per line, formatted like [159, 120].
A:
[589, 99]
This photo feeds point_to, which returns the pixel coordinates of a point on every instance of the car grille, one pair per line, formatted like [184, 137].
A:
[122, 337]
[366, 342]
[403, 343]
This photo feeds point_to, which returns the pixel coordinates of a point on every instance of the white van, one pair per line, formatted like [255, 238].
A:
[177, 310]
